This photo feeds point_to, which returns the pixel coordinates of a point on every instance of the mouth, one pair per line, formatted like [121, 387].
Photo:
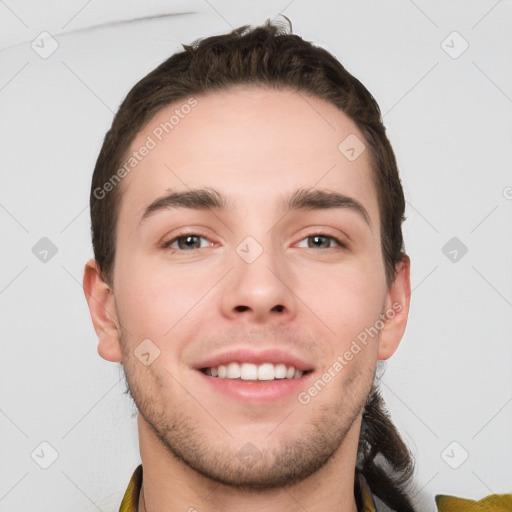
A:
[255, 385]
[254, 372]
[256, 377]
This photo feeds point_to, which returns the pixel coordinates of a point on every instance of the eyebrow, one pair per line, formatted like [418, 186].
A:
[302, 199]
[317, 199]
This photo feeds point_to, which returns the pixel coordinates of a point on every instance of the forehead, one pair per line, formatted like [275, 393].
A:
[248, 141]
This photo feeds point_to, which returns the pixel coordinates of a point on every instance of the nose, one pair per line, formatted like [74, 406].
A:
[260, 290]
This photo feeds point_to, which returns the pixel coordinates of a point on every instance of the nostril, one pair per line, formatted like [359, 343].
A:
[278, 308]
[242, 308]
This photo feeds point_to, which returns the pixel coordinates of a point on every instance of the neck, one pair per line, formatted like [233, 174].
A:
[169, 484]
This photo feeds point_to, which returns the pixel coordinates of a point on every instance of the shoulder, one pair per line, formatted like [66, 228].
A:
[491, 503]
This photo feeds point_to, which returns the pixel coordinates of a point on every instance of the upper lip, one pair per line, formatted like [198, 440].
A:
[244, 355]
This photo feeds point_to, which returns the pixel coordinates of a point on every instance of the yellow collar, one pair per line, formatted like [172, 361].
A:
[130, 501]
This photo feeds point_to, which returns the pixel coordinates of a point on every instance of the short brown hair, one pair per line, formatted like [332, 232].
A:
[271, 57]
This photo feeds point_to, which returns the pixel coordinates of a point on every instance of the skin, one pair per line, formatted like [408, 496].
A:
[253, 145]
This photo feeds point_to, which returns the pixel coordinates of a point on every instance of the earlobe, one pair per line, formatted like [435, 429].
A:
[101, 302]
[396, 310]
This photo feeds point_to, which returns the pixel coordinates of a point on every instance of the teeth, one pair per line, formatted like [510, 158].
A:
[233, 371]
[266, 372]
[249, 371]
[280, 371]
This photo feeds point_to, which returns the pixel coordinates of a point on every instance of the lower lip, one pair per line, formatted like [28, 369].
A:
[261, 391]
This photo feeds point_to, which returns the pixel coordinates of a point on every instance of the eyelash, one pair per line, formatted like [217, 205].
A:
[167, 244]
[341, 245]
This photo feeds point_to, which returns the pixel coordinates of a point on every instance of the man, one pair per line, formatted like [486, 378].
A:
[249, 275]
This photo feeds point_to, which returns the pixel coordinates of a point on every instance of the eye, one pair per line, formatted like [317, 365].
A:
[186, 242]
[322, 241]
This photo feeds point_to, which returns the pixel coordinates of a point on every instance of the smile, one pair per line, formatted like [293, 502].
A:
[250, 371]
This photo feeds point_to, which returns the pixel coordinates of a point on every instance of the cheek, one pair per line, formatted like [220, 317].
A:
[157, 301]
[346, 299]
[142, 300]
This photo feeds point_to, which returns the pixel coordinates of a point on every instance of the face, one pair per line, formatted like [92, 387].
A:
[272, 269]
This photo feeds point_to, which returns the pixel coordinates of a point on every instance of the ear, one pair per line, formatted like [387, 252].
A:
[396, 310]
[101, 302]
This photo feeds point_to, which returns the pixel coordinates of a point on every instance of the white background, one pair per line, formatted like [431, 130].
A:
[449, 120]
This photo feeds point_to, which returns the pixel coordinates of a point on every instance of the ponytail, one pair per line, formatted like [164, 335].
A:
[389, 478]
